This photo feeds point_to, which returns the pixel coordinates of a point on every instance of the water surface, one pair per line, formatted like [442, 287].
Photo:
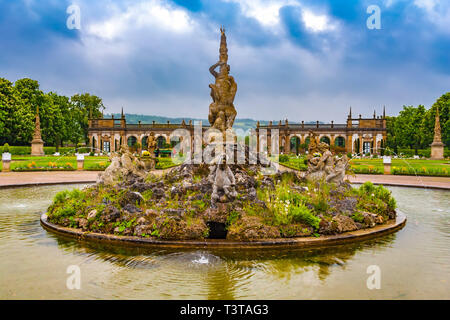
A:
[414, 262]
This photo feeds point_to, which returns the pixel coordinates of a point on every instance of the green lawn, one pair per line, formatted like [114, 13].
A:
[294, 162]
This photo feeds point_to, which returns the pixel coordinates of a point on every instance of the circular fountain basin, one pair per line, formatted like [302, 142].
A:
[358, 235]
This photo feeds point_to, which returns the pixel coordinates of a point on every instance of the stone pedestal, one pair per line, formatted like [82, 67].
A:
[437, 151]
[6, 165]
[387, 165]
[37, 147]
[80, 162]
[6, 162]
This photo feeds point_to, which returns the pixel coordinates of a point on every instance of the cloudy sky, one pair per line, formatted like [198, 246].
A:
[301, 59]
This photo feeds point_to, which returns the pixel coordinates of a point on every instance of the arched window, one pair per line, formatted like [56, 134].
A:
[295, 144]
[161, 141]
[307, 140]
[325, 139]
[132, 141]
[339, 142]
[144, 142]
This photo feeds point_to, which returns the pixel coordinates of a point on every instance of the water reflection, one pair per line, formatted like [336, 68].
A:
[414, 262]
[224, 273]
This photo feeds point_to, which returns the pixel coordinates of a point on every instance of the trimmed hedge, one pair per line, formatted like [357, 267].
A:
[26, 150]
[420, 152]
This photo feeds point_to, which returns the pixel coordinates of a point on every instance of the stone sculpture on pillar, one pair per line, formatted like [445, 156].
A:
[437, 147]
[151, 144]
[37, 144]
[221, 110]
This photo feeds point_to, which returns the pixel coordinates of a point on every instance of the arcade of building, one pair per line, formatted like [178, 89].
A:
[357, 135]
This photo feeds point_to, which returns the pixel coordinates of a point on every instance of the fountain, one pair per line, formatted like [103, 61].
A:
[222, 203]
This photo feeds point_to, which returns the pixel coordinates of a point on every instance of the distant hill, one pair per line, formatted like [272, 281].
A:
[243, 124]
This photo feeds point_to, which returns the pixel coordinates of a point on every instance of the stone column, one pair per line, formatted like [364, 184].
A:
[287, 144]
[349, 144]
[374, 143]
[112, 143]
[361, 144]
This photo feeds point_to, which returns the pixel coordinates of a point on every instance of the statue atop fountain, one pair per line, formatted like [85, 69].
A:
[221, 111]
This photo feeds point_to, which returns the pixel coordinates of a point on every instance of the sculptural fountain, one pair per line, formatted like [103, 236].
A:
[219, 199]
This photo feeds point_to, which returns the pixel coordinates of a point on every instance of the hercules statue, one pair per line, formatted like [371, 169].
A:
[221, 110]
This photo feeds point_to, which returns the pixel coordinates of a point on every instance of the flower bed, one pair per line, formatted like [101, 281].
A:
[424, 171]
[51, 166]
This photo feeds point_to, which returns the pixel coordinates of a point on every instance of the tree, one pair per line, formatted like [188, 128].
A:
[408, 128]
[27, 97]
[56, 119]
[443, 103]
[83, 106]
[6, 110]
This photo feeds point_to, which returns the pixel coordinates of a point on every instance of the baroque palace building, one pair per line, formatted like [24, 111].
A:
[357, 135]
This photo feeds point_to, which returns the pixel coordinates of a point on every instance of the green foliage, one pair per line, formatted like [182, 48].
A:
[5, 148]
[200, 204]
[302, 213]
[283, 158]
[287, 206]
[62, 119]
[358, 217]
[375, 199]
[366, 188]
[232, 218]
[392, 204]
[413, 128]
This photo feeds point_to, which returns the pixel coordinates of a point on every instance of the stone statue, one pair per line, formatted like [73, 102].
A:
[437, 147]
[338, 174]
[313, 143]
[123, 164]
[223, 182]
[151, 144]
[37, 144]
[321, 163]
[221, 111]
